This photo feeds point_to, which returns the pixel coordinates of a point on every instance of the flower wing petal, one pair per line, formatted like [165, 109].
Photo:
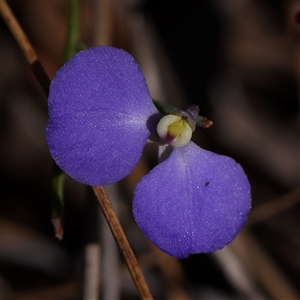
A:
[195, 201]
[100, 115]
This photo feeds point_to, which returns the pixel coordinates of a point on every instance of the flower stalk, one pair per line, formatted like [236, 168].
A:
[25, 46]
[122, 242]
[101, 196]
[73, 42]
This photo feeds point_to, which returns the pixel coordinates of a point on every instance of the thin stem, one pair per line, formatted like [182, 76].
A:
[122, 242]
[73, 32]
[102, 198]
[272, 208]
[91, 271]
[25, 46]
[57, 201]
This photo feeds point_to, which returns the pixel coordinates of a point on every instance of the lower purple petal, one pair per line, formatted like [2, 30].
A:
[195, 201]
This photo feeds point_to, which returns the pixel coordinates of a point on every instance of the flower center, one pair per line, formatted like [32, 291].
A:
[174, 130]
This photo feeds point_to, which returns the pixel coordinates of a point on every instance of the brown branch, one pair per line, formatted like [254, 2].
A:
[270, 209]
[266, 271]
[25, 46]
[122, 242]
[102, 198]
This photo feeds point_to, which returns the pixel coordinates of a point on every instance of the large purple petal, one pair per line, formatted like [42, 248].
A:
[195, 201]
[100, 115]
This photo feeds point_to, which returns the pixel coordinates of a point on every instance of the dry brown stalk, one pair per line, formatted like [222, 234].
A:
[122, 242]
[272, 208]
[25, 46]
[102, 198]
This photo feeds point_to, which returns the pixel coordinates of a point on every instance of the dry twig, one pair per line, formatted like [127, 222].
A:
[25, 46]
[122, 242]
[102, 198]
[263, 268]
[270, 209]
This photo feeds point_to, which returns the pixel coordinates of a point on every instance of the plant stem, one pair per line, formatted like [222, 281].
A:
[73, 32]
[122, 242]
[25, 46]
[102, 198]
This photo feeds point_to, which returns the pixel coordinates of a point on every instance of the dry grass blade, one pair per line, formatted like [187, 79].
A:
[122, 242]
[102, 198]
[91, 271]
[268, 210]
[263, 268]
[25, 45]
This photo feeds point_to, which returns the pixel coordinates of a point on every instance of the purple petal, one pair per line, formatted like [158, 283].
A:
[100, 115]
[195, 201]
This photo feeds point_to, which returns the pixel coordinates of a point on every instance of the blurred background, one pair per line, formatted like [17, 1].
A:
[239, 61]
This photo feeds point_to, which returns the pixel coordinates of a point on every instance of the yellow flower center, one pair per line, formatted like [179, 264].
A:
[174, 130]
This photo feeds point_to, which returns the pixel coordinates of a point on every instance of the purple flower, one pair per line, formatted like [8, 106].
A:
[100, 117]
